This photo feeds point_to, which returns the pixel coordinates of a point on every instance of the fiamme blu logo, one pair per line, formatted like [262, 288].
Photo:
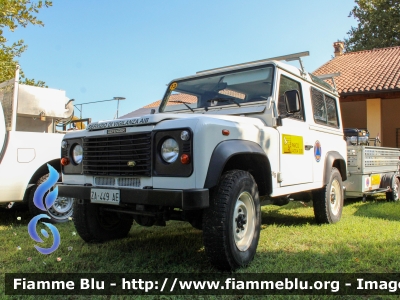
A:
[44, 205]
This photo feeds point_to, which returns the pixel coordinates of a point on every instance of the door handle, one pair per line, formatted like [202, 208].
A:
[308, 147]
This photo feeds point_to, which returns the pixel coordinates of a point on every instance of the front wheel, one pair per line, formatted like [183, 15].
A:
[231, 225]
[328, 201]
[96, 225]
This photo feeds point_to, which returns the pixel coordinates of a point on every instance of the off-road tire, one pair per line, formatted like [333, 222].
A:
[95, 225]
[59, 212]
[394, 194]
[231, 243]
[328, 201]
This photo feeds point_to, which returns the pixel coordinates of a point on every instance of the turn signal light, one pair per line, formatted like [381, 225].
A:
[185, 159]
[225, 132]
[64, 161]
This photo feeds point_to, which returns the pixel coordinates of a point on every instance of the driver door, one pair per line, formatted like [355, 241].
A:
[296, 153]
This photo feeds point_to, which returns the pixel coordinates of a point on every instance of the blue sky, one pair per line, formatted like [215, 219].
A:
[96, 49]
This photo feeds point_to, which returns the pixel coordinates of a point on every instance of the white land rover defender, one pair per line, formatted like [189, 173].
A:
[219, 141]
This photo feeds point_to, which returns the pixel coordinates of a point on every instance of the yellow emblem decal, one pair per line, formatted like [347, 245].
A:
[292, 144]
[376, 179]
[173, 86]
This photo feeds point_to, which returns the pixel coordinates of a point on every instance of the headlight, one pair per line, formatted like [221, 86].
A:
[169, 150]
[77, 154]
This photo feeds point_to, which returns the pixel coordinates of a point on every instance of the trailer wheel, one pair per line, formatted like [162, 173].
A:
[328, 201]
[394, 194]
[95, 225]
[59, 212]
[231, 224]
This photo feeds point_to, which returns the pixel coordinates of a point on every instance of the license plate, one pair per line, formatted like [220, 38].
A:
[105, 196]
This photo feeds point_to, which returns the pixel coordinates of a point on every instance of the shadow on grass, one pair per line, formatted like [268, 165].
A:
[380, 198]
[175, 248]
[381, 210]
[9, 216]
[288, 215]
[363, 257]
[351, 201]
[277, 218]
[178, 248]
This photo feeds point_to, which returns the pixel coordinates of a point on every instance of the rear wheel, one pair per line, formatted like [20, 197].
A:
[231, 225]
[59, 212]
[95, 225]
[394, 194]
[328, 201]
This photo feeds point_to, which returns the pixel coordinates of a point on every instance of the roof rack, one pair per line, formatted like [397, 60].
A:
[289, 57]
[330, 76]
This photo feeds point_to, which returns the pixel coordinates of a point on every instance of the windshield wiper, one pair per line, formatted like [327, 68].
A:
[184, 103]
[221, 99]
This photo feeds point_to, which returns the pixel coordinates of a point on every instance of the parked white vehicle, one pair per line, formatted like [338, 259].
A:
[28, 142]
[219, 140]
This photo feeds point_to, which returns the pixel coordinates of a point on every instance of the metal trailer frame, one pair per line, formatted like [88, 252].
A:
[370, 170]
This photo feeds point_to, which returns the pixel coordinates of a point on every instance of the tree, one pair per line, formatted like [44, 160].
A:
[378, 25]
[14, 13]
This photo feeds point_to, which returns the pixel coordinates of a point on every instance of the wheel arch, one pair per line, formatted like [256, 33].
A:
[42, 170]
[243, 155]
[334, 159]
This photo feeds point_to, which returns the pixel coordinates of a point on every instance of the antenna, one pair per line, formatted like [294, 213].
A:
[289, 57]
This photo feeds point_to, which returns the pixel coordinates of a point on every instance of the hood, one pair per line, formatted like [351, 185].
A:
[157, 118]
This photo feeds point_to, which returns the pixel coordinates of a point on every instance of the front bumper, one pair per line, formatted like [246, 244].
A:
[185, 199]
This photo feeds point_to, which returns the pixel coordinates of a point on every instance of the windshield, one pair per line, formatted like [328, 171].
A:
[235, 89]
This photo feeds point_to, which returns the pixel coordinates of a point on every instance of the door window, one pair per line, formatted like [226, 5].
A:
[288, 84]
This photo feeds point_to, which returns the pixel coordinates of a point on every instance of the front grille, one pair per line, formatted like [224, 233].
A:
[122, 155]
[104, 181]
[135, 182]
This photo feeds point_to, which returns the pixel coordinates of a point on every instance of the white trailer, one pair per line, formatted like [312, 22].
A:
[29, 141]
[372, 170]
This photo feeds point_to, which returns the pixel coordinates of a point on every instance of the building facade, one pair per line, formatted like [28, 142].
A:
[369, 89]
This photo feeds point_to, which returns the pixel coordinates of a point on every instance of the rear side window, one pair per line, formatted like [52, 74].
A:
[324, 109]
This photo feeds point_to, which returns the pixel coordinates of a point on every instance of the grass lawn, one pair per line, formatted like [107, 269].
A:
[367, 239]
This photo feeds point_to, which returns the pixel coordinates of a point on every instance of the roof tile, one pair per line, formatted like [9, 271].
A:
[369, 70]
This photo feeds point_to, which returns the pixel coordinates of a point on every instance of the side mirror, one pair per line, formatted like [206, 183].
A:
[292, 101]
